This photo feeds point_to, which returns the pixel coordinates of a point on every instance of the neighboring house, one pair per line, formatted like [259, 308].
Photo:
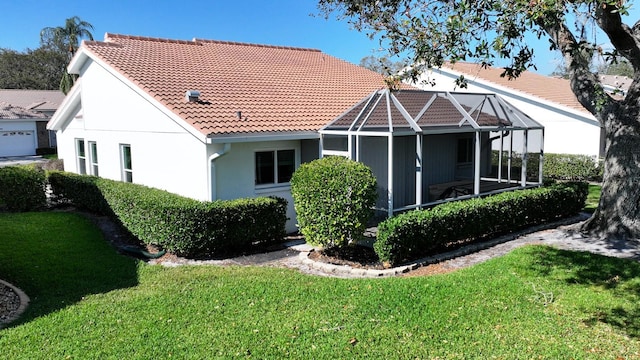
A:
[22, 131]
[222, 120]
[569, 127]
[43, 101]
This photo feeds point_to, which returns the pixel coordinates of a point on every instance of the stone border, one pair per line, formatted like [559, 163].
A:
[24, 303]
[348, 271]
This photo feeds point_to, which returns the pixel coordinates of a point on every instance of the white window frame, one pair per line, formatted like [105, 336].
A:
[275, 167]
[126, 173]
[93, 157]
[81, 156]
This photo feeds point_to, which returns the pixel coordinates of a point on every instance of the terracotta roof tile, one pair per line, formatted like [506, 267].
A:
[552, 89]
[275, 88]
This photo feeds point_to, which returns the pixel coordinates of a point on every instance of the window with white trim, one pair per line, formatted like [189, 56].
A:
[126, 163]
[93, 157]
[274, 167]
[81, 158]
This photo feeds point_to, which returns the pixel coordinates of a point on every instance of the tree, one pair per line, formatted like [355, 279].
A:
[39, 69]
[431, 32]
[620, 68]
[66, 39]
[382, 65]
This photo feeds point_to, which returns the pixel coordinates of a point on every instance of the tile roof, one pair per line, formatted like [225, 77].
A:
[11, 112]
[39, 100]
[548, 88]
[274, 88]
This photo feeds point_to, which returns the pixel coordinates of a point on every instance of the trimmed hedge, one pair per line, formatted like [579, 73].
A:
[572, 167]
[334, 199]
[183, 226]
[567, 167]
[22, 188]
[419, 233]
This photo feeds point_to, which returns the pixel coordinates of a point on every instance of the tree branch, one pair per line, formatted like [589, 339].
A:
[584, 84]
[622, 37]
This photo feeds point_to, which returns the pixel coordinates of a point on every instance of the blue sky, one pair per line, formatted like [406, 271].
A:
[275, 22]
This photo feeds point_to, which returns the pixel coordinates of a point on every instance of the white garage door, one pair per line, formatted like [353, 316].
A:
[17, 142]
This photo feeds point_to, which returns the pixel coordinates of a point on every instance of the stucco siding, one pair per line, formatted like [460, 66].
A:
[166, 157]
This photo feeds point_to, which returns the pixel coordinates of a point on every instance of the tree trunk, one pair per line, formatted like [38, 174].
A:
[618, 213]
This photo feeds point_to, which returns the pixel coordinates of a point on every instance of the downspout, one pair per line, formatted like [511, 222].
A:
[212, 172]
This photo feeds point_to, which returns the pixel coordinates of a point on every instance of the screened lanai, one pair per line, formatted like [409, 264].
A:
[427, 147]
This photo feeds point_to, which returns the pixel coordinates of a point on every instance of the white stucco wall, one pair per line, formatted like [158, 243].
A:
[164, 155]
[567, 131]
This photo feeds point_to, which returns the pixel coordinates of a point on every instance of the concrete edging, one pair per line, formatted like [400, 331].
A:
[24, 303]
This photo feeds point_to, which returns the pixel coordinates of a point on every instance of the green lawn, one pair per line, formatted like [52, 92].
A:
[88, 302]
[593, 198]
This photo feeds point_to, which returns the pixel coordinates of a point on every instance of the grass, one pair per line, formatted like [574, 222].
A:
[593, 198]
[90, 302]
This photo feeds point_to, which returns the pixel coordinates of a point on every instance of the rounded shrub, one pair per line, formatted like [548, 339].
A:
[334, 199]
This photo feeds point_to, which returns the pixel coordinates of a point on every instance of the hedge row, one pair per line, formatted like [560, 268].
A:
[572, 167]
[183, 226]
[568, 167]
[417, 234]
[22, 188]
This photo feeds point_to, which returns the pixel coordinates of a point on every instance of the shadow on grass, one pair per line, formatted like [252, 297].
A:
[57, 259]
[619, 277]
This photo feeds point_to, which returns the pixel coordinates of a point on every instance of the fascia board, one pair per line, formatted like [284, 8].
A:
[63, 116]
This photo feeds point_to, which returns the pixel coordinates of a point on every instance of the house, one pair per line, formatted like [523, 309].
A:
[204, 119]
[223, 120]
[41, 101]
[569, 127]
[22, 131]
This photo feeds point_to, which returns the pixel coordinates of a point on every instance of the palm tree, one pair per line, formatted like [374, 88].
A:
[66, 39]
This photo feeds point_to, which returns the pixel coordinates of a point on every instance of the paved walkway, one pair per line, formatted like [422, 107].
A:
[20, 160]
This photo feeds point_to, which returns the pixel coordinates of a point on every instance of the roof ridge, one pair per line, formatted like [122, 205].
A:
[208, 41]
[109, 37]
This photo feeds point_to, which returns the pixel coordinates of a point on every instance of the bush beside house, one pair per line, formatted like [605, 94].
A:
[22, 188]
[334, 199]
[180, 225]
[419, 233]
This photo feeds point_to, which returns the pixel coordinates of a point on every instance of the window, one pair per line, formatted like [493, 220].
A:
[465, 150]
[93, 157]
[125, 159]
[274, 167]
[82, 159]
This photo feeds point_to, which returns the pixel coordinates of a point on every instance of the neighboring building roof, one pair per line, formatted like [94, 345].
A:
[244, 88]
[552, 89]
[11, 112]
[39, 100]
[616, 82]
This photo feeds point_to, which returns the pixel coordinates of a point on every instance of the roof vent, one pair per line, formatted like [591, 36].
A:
[192, 95]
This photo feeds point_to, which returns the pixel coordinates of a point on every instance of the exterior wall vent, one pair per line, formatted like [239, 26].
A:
[192, 95]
